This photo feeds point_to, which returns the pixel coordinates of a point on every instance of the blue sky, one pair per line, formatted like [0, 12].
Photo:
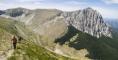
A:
[108, 8]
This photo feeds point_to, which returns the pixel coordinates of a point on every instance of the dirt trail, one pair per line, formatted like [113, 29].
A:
[6, 54]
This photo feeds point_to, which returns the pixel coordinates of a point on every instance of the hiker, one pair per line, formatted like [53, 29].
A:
[19, 39]
[14, 42]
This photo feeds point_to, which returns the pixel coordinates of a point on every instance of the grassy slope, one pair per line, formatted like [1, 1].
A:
[27, 50]
[103, 48]
[31, 51]
[6, 41]
[7, 25]
[6, 28]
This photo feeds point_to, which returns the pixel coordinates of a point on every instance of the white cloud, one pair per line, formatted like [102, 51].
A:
[75, 2]
[27, 0]
[110, 1]
[107, 13]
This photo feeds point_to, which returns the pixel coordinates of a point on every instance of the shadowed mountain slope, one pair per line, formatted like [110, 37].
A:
[104, 48]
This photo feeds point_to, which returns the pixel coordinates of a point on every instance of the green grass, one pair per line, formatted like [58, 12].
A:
[7, 25]
[5, 43]
[31, 51]
[7, 30]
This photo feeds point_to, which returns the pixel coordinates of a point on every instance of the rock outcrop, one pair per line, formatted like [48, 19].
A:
[89, 21]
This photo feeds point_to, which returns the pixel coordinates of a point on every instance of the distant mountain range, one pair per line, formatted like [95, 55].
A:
[113, 23]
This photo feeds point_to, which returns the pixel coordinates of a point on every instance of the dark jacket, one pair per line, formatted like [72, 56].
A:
[14, 40]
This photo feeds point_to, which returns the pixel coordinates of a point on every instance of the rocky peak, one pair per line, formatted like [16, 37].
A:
[89, 8]
[89, 21]
[14, 12]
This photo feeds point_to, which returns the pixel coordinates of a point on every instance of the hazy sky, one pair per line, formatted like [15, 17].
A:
[108, 8]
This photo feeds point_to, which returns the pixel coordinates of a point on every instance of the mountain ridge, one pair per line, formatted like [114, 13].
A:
[87, 20]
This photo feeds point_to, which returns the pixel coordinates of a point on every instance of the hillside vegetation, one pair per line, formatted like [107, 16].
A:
[103, 48]
[27, 49]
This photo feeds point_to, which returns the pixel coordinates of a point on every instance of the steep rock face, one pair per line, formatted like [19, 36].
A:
[89, 21]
